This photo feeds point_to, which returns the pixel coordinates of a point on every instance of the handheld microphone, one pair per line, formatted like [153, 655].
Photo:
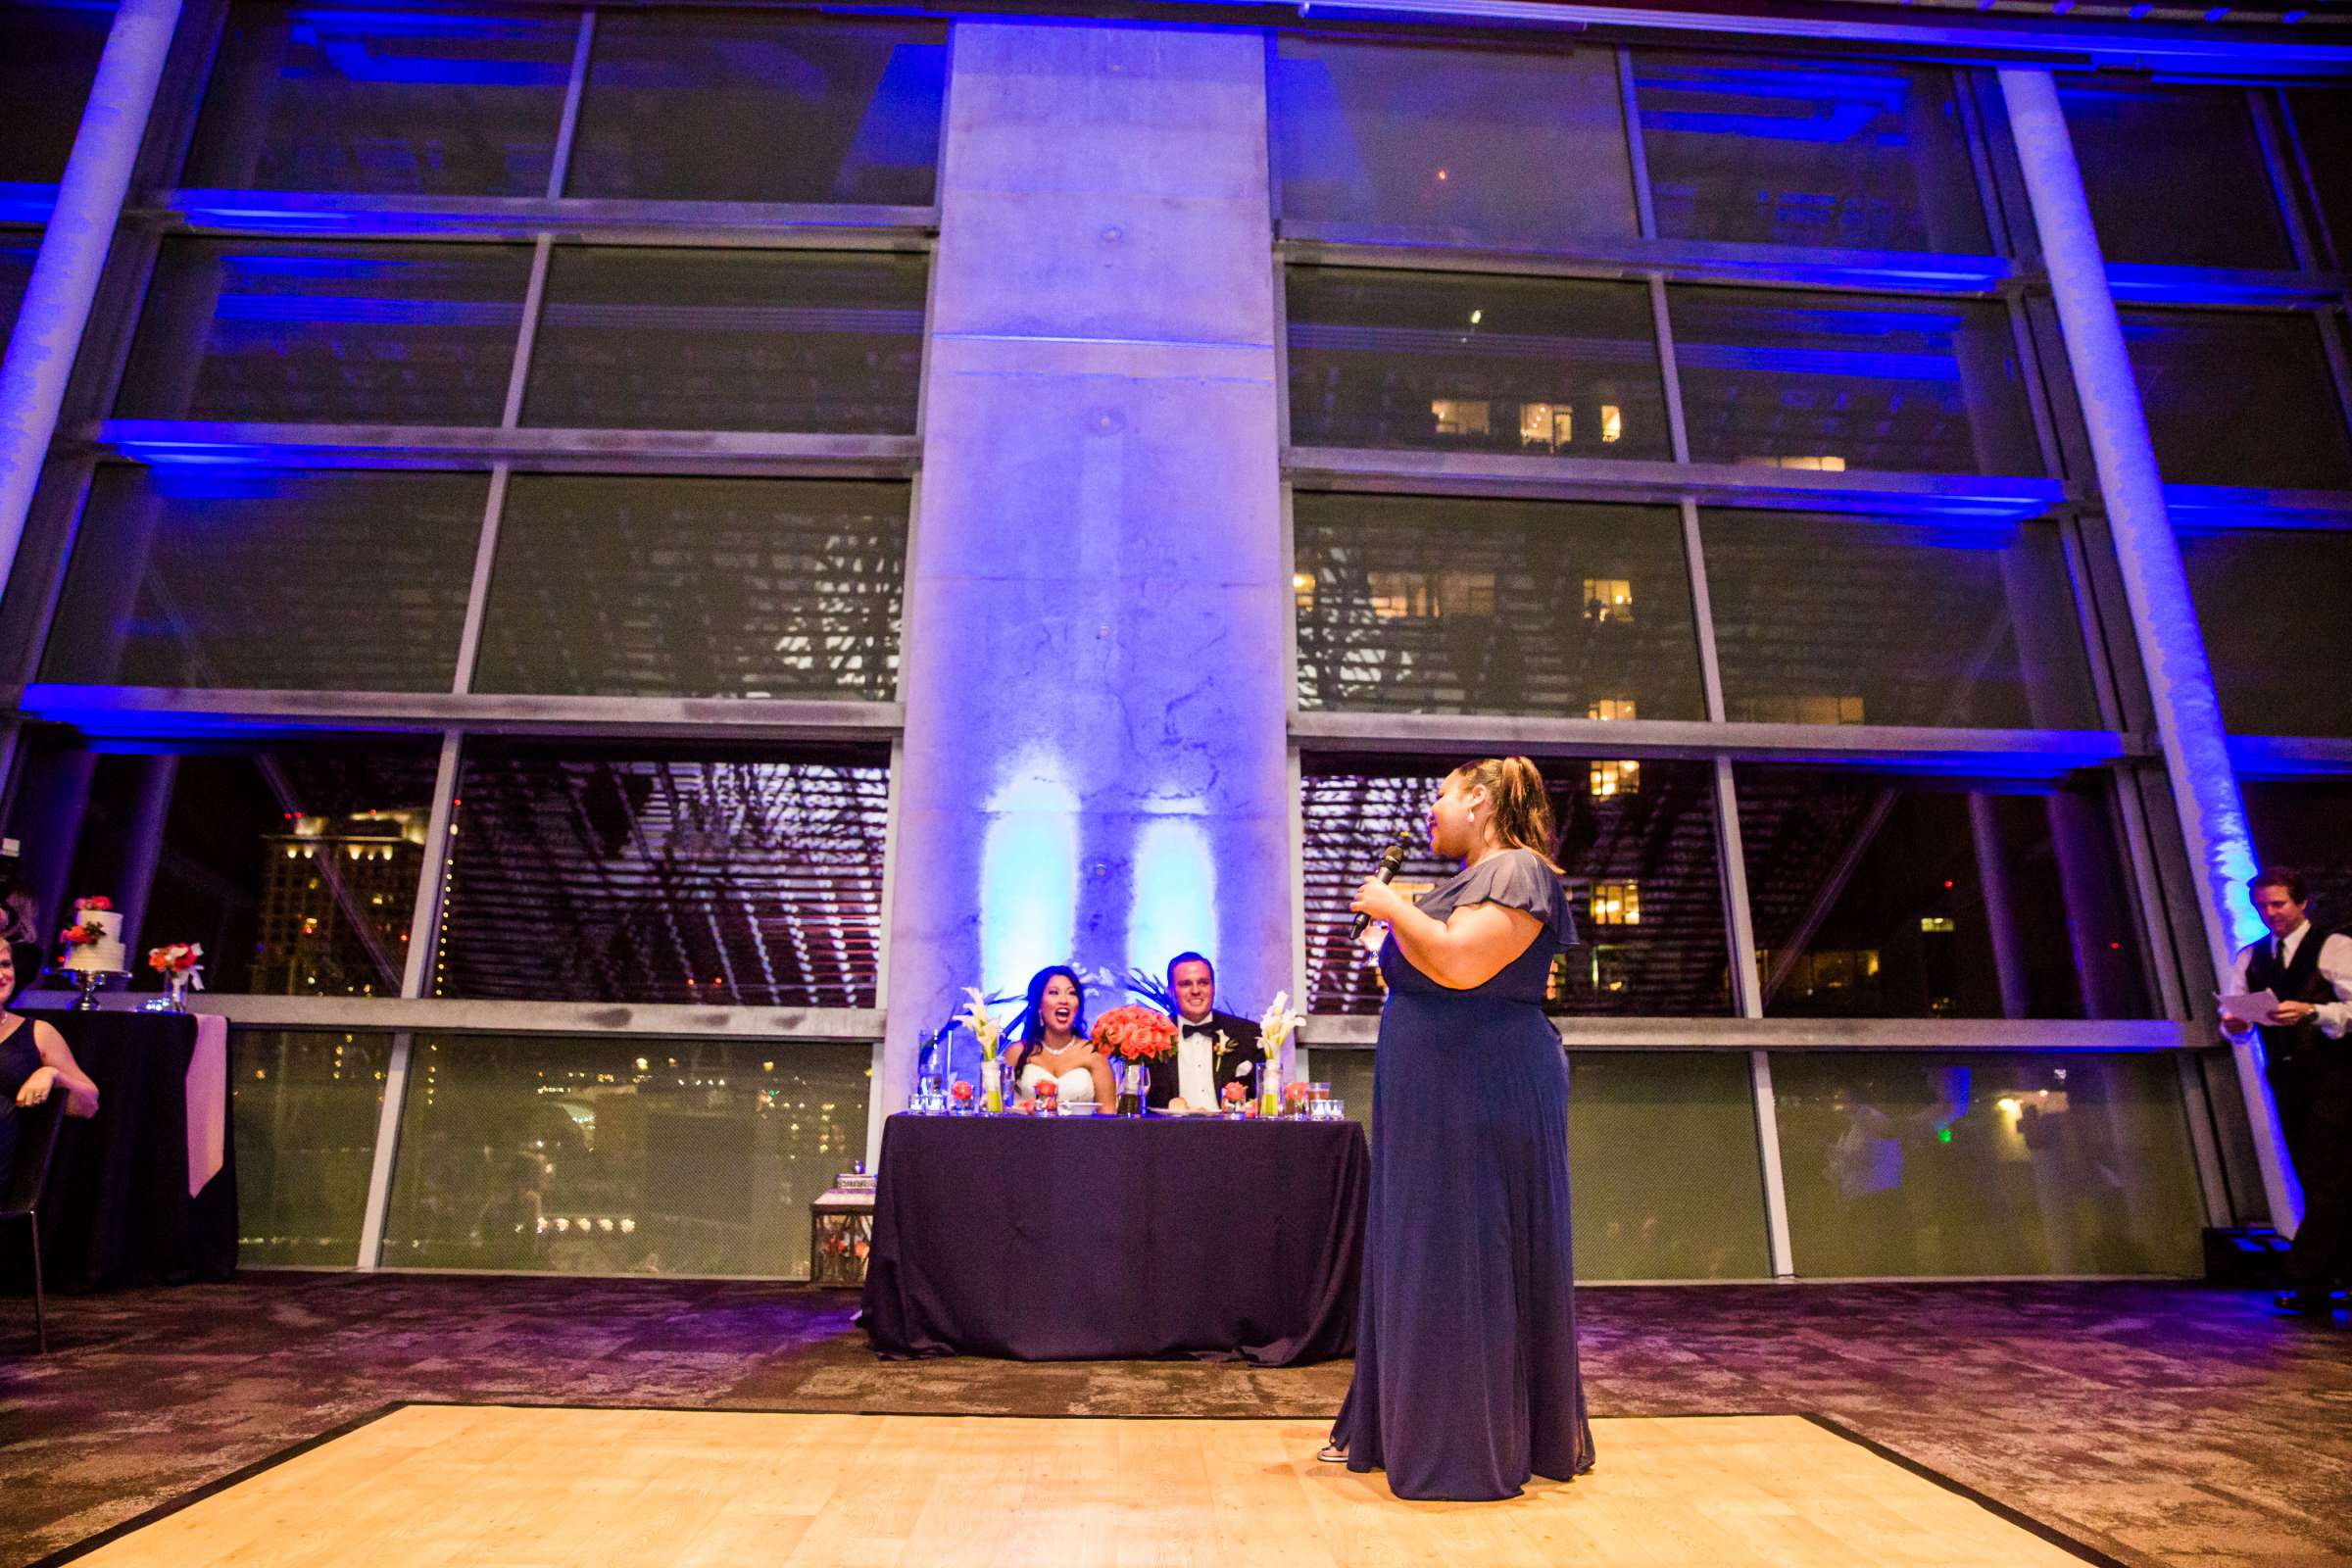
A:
[1391, 858]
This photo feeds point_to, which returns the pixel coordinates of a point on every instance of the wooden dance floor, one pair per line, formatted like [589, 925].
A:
[510, 1485]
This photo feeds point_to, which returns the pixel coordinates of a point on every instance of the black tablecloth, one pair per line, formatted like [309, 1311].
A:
[1050, 1239]
[116, 1211]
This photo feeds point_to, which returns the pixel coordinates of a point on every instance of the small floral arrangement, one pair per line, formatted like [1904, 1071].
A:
[962, 1094]
[1044, 1097]
[82, 932]
[985, 1029]
[1277, 1026]
[1235, 1094]
[180, 962]
[1134, 1033]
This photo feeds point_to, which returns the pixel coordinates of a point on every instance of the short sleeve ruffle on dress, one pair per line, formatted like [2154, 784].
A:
[1516, 879]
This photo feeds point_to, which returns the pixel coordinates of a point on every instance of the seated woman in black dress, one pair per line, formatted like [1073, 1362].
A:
[1466, 1379]
[33, 1061]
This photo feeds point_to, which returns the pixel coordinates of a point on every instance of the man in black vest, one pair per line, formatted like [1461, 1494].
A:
[1194, 1077]
[2309, 1066]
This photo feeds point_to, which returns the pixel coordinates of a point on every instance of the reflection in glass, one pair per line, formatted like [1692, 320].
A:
[645, 338]
[2151, 154]
[2299, 822]
[679, 875]
[1986, 1163]
[1489, 146]
[1834, 381]
[314, 334]
[1832, 619]
[1839, 154]
[603, 1154]
[1897, 896]
[48, 58]
[2200, 371]
[761, 107]
[269, 580]
[668, 587]
[1425, 603]
[1662, 1158]
[294, 863]
[1543, 367]
[410, 104]
[306, 1113]
[1641, 845]
[2322, 132]
[2272, 681]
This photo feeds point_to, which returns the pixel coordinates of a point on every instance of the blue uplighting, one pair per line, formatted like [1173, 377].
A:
[1175, 893]
[1028, 872]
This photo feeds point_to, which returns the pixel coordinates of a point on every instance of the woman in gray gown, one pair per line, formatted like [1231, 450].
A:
[1466, 1379]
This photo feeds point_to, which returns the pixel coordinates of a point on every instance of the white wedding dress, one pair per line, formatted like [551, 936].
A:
[1073, 1087]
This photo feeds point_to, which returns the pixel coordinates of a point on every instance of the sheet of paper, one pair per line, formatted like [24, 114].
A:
[2251, 1008]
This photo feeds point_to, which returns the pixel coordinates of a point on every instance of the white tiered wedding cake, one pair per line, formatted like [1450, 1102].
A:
[103, 956]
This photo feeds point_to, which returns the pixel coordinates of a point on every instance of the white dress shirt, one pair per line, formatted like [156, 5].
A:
[1195, 1064]
[2335, 968]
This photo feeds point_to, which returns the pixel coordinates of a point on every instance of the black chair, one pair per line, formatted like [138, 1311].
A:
[36, 1145]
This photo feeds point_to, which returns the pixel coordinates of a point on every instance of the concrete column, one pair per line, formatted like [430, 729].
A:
[1093, 762]
[2171, 649]
[65, 275]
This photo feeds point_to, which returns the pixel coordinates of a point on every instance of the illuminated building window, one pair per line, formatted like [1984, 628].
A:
[1612, 423]
[1303, 584]
[1938, 924]
[1608, 966]
[1830, 972]
[1799, 709]
[1421, 595]
[1611, 708]
[1615, 778]
[1608, 599]
[1824, 464]
[1463, 416]
[1548, 426]
[1616, 903]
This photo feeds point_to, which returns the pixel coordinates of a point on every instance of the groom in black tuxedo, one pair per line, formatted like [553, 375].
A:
[1194, 1077]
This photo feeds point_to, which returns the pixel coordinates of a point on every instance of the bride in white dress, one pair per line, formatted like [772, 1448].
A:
[1054, 1046]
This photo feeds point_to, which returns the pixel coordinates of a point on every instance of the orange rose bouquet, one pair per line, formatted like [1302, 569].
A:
[1134, 1034]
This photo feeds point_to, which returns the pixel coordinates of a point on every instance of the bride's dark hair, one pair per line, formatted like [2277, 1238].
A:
[1033, 1020]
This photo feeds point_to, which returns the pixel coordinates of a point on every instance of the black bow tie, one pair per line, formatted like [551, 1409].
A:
[1192, 1029]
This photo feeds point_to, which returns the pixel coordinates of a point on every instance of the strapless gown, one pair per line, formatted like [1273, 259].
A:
[1075, 1087]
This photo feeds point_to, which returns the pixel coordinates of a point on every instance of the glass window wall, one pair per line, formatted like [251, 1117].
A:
[725, 876]
[696, 587]
[1484, 146]
[603, 1154]
[1853, 621]
[647, 338]
[48, 58]
[1848, 155]
[306, 1106]
[316, 98]
[1880, 895]
[717, 106]
[295, 863]
[315, 334]
[2200, 372]
[2151, 155]
[2257, 591]
[1425, 603]
[1986, 1163]
[1543, 367]
[1777, 378]
[2299, 822]
[269, 580]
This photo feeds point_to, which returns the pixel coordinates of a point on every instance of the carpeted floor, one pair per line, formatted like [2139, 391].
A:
[2164, 1424]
